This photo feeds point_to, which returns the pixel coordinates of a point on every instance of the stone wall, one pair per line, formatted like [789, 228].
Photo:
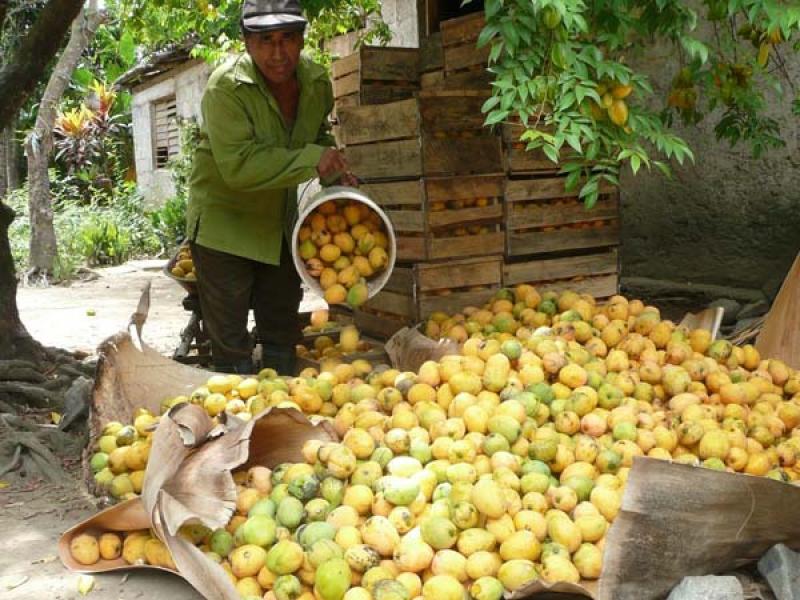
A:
[186, 83]
[728, 219]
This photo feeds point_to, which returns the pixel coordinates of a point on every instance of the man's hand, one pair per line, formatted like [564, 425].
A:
[349, 179]
[332, 163]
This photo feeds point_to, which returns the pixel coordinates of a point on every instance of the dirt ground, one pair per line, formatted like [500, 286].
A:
[32, 520]
[79, 317]
[83, 314]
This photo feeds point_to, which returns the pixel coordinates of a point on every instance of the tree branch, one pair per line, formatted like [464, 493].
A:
[3, 11]
[25, 68]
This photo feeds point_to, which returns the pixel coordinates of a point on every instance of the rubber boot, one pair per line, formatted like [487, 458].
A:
[281, 358]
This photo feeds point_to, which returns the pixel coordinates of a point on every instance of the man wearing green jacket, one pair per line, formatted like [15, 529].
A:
[264, 131]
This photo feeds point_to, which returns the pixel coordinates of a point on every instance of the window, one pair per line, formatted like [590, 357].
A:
[166, 134]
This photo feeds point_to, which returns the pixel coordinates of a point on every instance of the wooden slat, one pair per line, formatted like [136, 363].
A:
[544, 188]
[431, 80]
[523, 161]
[561, 268]
[383, 94]
[602, 286]
[394, 303]
[458, 274]
[386, 160]
[466, 55]
[395, 193]
[478, 155]
[431, 56]
[555, 241]
[411, 249]
[380, 326]
[450, 111]
[407, 220]
[382, 64]
[469, 79]
[346, 65]
[349, 84]
[468, 245]
[464, 188]
[401, 281]
[390, 64]
[452, 303]
[363, 124]
[462, 29]
[543, 215]
[450, 216]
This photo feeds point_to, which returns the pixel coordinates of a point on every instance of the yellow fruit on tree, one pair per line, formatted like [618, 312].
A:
[618, 112]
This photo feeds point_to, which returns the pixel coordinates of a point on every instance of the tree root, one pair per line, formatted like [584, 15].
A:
[26, 448]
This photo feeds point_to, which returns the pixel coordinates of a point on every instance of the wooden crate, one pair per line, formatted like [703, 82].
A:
[438, 133]
[375, 75]
[376, 354]
[430, 216]
[595, 273]
[518, 160]
[415, 292]
[464, 63]
[542, 217]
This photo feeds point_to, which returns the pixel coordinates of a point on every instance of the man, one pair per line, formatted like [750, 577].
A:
[264, 131]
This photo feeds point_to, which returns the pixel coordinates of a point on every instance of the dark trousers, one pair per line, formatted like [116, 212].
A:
[229, 286]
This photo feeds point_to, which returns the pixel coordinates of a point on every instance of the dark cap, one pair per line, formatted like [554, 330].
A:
[268, 15]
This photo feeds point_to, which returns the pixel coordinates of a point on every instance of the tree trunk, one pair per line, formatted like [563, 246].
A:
[15, 341]
[22, 71]
[3, 162]
[39, 145]
[12, 157]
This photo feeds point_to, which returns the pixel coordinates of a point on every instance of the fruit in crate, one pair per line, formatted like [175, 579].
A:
[319, 322]
[344, 245]
[325, 347]
[183, 267]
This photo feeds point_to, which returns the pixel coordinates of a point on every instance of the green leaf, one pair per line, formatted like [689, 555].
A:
[83, 77]
[695, 48]
[127, 48]
[636, 163]
[550, 152]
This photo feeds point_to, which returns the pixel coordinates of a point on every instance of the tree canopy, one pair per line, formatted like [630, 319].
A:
[569, 71]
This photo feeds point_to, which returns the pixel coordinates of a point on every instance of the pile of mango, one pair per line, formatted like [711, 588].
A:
[326, 348]
[343, 245]
[496, 466]
[184, 264]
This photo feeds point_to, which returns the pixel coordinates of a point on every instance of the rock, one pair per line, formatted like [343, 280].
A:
[709, 587]
[732, 308]
[753, 310]
[76, 401]
[780, 566]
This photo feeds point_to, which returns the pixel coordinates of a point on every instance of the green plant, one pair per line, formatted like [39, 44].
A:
[563, 68]
[345, 16]
[103, 242]
[169, 221]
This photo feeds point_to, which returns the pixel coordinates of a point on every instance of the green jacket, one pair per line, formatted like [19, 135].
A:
[243, 187]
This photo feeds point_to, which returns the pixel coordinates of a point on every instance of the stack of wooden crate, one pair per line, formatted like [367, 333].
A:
[471, 208]
[552, 240]
[465, 65]
[375, 75]
[430, 163]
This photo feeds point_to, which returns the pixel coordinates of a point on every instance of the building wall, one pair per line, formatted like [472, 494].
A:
[402, 18]
[727, 219]
[186, 83]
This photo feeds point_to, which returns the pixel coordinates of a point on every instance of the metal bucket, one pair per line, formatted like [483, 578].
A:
[307, 206]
